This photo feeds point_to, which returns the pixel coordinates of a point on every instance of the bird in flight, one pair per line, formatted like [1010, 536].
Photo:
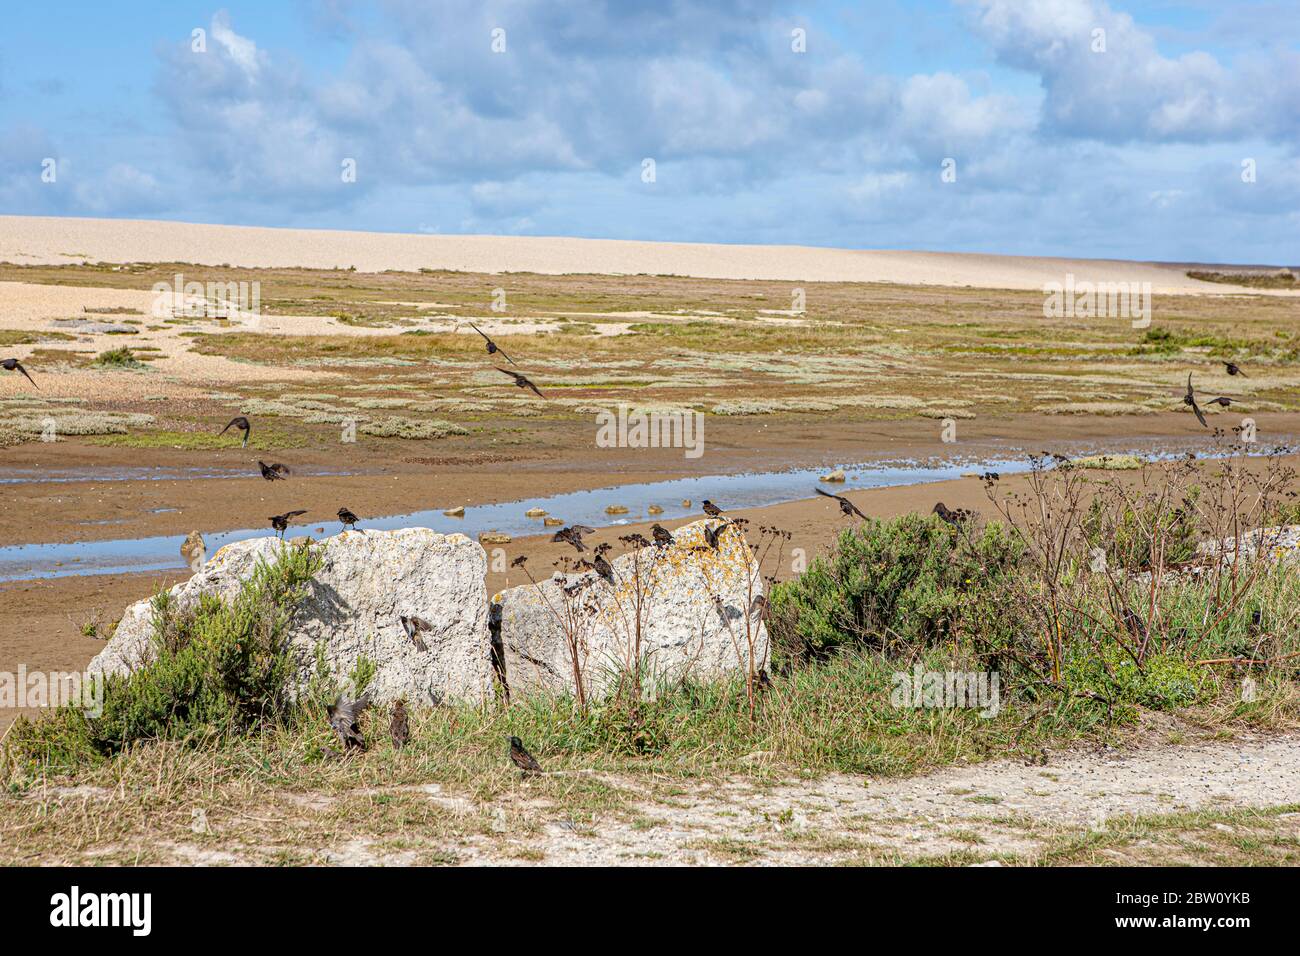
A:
[1190, 399]
[348, 518]
[343, 718]
[663, 537]
[522, 759]
[399, 727]
[710, 509]
[273, 472]
[846, 506]
[713, 535]
[952, 516]
[1222, 400]
[240, 422]
[413, 626]
[13, 365]
[573, 535]
[492, 347]
[1234, 369]
[520, 380]
[281, 522]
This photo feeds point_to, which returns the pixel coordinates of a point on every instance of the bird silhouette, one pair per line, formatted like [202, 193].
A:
[13, 365]
[951, 516]
[344, 717]
[281, 522]
[1222, 400]
[663, 537]
[492, 347]
[847, 507]
[710, 509]
[399, 727]
[1234, 369]
[520, 380]
[274, 471]
[713, 535]
[413, 626]
[573, 535]
[1190, 400]
[522, 759]
[240, 422]
[348, 518]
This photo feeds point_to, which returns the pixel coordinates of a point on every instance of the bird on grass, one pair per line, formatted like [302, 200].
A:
[348, 518]
[274, 471]
[241, 423]
[344, 717]
[413, 626]
[710, 509]
[847, 507]
[492, 347]
[762, 682]
[521, 380]
[281, 522]
[522, 759]
[399, 727]
[952, 516]
[1190, 400]
[573, 535]
[1234, 369]
[13, 365]
[663, 537]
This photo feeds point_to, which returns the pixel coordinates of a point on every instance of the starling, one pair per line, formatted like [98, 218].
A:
[240, 422]
[710, 509]
[713, 535]
[522, 758]
[399, 727]
[663, 537]
[413, 626]
[758, 607]
[1222, 400]
[762, 681]
[1190, 400]
[492, 347]
[952, 516]
[847, 507]
[603, 568]
[573, 535]
[281, 522]
[1234, 370]
[520, 380]
[520, 561]
[273, 472]
[343, 718]
[13, 365]
[348, 518]
[1133, 624]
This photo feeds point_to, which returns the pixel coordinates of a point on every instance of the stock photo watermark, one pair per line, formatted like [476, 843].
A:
[35, 688]
[970, 690]
[634, 428]
[1073, 299]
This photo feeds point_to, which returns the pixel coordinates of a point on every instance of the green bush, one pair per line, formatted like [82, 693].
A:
[1126, 537]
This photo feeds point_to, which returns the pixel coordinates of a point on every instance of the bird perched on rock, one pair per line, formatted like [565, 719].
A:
[281, 522]
[273, 472]
[847, 507]
[344, 717]
[241, 423]
[1234, 369]
[758, 607]
[399, 727]
[1190, 400]
[710, 509]
[573, 535]
[952, 516]
[413, 626]
[603, 568]
[13, 365]
[522, 759]
[348, 518]
[520, 380]
[663, 537]
[492, 347]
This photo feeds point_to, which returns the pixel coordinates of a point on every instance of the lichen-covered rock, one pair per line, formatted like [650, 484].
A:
[366, 580]
[683, 609]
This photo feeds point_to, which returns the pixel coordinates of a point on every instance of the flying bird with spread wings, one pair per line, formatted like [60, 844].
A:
[492, 347]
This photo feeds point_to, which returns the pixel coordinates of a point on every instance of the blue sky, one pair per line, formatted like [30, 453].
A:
[1133, 151]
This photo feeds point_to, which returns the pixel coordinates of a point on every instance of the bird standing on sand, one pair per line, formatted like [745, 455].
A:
[1190, 400]
[344, 716]
[952, 516]
[663, 537]
[847, 507]
[241, 423]
[413, 626]
[522, 759]
[710, 509]
[281, 522]
[573, 535]
[1234, 369]
[274, 471]
[13, 365]
[492, 347]
[348, 518]
[399, 727]
[520, 380]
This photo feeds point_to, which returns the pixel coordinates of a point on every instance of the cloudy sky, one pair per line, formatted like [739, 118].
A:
[1059, 147]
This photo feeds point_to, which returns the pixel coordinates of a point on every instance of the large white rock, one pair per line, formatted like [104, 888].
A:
[367, 579]
[683, 609]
